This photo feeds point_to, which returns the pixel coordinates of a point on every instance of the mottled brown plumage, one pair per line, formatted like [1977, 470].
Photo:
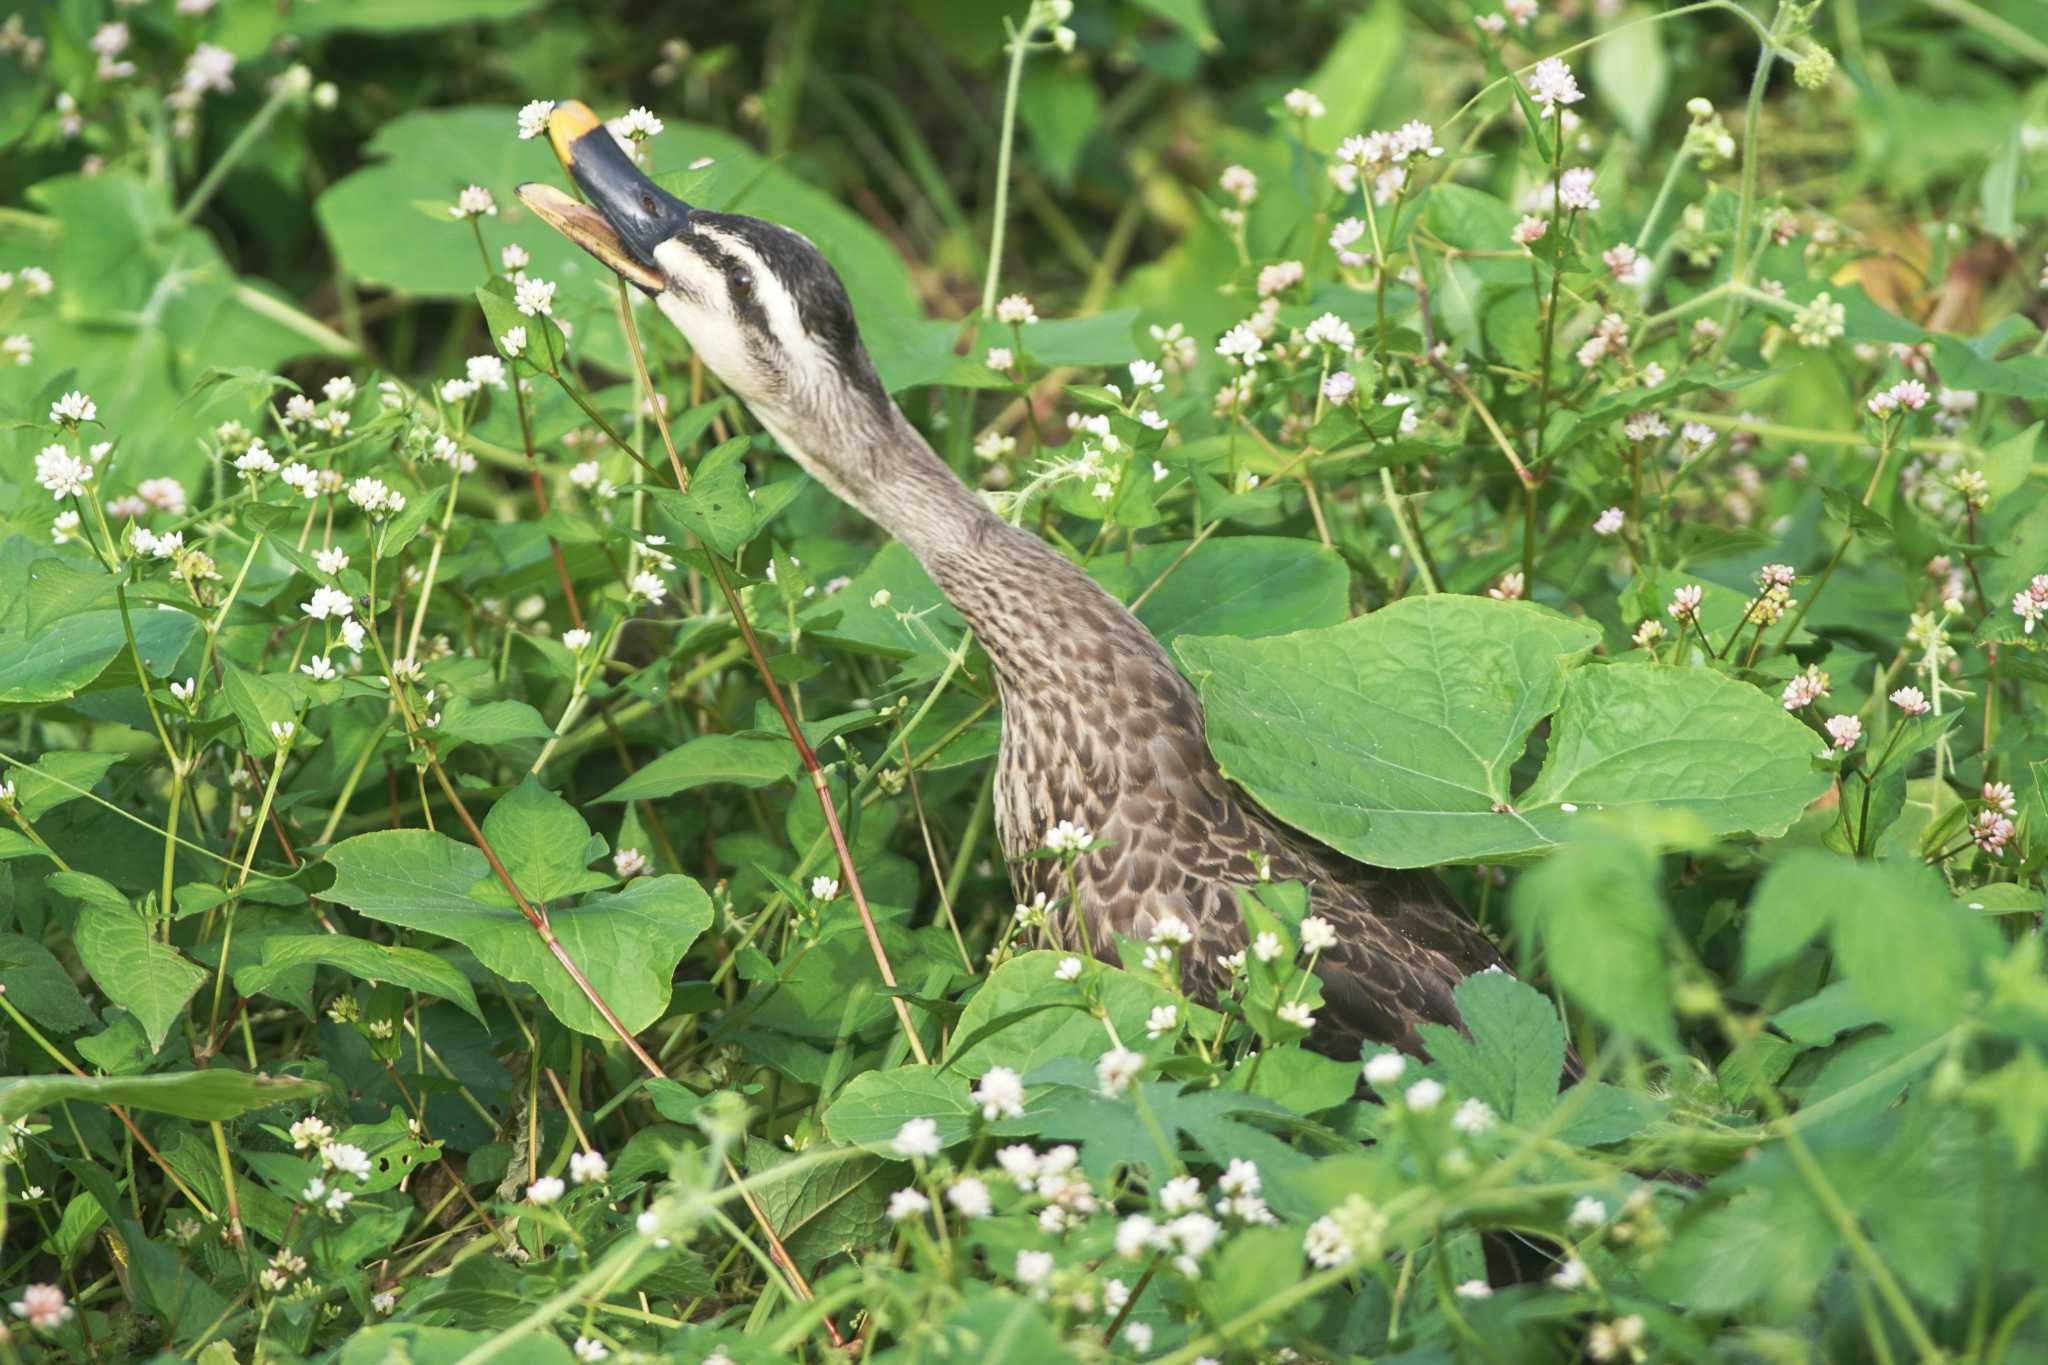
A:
[1098, 726]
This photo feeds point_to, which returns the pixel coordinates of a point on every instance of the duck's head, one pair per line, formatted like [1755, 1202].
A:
[758, 302]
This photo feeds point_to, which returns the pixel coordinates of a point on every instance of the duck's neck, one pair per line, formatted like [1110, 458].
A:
[1040, 618]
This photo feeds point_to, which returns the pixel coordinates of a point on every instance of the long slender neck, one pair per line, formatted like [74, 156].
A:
[1038, 616]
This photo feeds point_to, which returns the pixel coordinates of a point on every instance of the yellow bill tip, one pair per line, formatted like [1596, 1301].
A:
[569, 122]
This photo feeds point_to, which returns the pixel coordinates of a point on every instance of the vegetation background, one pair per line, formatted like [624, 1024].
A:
[1678, 512]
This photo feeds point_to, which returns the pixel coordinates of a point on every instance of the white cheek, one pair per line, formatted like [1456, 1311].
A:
[715, 338]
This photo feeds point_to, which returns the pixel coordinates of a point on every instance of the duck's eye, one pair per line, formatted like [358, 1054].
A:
[741, 279]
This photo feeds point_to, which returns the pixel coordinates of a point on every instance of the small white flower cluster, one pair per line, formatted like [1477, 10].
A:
[474, 202]
[1909, 394]
[2030, 603]
[1067, 838]
[1805, 688]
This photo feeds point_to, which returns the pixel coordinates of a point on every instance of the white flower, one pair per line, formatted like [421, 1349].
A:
[384, 1302]
[1180, 1194]
[73, 409]
[1326, 1244]
[1302, 104]
[282, 731]
[649, 585]
[1239, 183]
[970, 1197]
[1588, 1212]
[328, 604]
[1552, 84]
[319, 668]
[183, 692]
[61, 472]
[1297, 1014]
[1844, 731]
[1685, 602]
[1172, 931]
[534, 297]
[1330, 330]
[1069, 969]
[629, 863]
[256, 460]
[588, 1168]
[918, 1138]
[513, 340]
[474, 202]
[486, 371]
[590, 1348]
[1135, 1235]
[352, 636]
[1570, 1275]
[1116, 1069]
[1034, 1268]
[1475, 1289]
[43, 1307]
[331, 560]
[1609, 522]
[636, 124]
[577, 639]
[1339, 386]
[309, 1132]
[1161, 1020]
[375, 497]
[1280, 277]
[1575, 190]
[1317, 934]
[1068, 837]
[647, 1224]
[19, 348]
[545, 1190]
[305, 479]
[1473, 1118]
[1014, 310]
[345, 1157]
[907, 1203]
[1241, 344]
[1911, 700]
[1000, 1094]
[1000, 359]
[1384, 1068]
[533, 119]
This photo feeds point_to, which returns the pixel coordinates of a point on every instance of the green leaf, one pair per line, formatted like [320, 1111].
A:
[221, 1093]
[149, 979]
[544, 350]
[1631, 73]
[38, 985]
[627, 944]
[1393, 737]
[56, 662]
[2008, 463]
[407, 967]
[2017, 1096]
[58, 777]
[716, 508]
[1246, 586]
[1355, 73]
[543, 843]
[1060, 109]
[491, 722]
[1596, 908]
[1514, 1054]
[1189, 16]
[875, 1104]
[707, 760]
[1033, 1036]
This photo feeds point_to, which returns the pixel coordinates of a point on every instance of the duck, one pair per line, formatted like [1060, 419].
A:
[1099, 728]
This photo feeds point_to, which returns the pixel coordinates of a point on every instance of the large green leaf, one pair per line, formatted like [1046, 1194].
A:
[221, 1093]
[150, 979]
[875, 1104]
[407, 967]
[1596, 910]
[56, 662]
[1237, 585]
[37, 984]
[627, 943]
[1393, 737]
[738, 760]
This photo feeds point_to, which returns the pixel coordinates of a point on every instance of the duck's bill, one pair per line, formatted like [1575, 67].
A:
[627, 216]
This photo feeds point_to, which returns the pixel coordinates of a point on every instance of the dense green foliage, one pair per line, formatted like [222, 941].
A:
[1618, 485]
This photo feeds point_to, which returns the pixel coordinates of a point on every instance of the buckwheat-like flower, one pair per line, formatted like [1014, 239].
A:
[74, 409]
[1992, 831]
[1116, 1069]
[1530, 229]
[1571, 1275]
[319, 668]
[2030, 604]
[61, 472]
[1588, 1212]
[19, 348]
[1000, 1094]
[486, 371]
[649, 586]
[1172, 931]
[917, 1138]
[1575, 190]
[474, 202]
[1384, 1068]
[907, 1203]
[1297, 1014]
[1609, 522]
[546, 1190]
[1473, 1117]
[1001, 359]
[1805, 688]
[328, 604]
[345, 1157]
[590, 1349]
[1069, 969]
[1239, 183]
[310, 1132]
[1266, 947]
[1280, 277]
[1509, 587]
[1302, 104]
[970, 1198]
[1553, 85]
[376, 497]
[1241, 344]
[183, 692]
[1685, 602]
[1844, 731]
[1475, 1289]
[43, 1307]
[1326, 1245]
[534, 297]
[588, 1168]
[1911, 700]
[533, 119]
[637, 124]
[1067, 837]
[1015, 310]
